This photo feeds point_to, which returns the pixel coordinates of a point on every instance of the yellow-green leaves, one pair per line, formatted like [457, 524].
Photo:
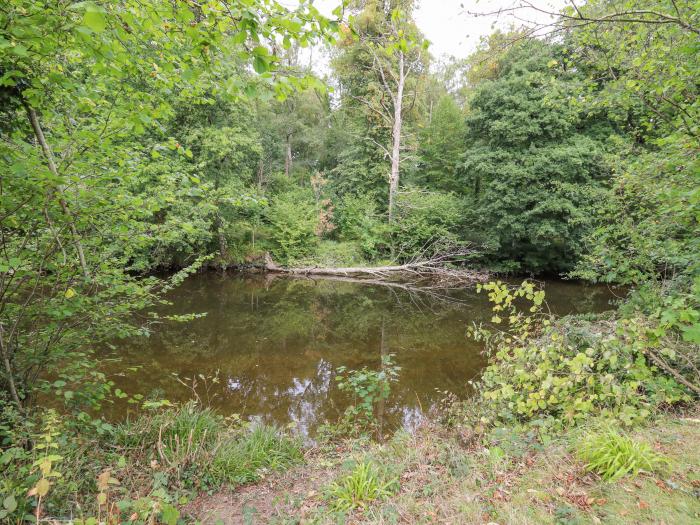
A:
[549, 374]
[95, 20]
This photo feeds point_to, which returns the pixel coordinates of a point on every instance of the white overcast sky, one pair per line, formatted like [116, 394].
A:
[452, 31]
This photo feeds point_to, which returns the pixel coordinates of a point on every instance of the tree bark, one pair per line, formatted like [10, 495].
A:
[38, 132]
[261, 173]
[8, 369]
[288, 156]
[396, 139]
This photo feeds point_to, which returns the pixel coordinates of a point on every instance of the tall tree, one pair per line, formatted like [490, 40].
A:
[382, 59]
[81, 84]
[533, 163]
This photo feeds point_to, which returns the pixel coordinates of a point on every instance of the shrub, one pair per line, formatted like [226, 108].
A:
[367, 387]
[424, 219]
[293, 221]
[358, 220]
[334, 254]
[548, 375]
[612, 455]
[362, 486]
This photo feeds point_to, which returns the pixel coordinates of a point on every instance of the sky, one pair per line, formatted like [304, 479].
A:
[452, 31]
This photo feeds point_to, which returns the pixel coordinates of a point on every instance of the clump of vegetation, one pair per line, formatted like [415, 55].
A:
[547, 374]
[293, 221]
[142, 468]
[368, 388]
[613, 455]
[244, 460]
[364, 485]
[424, 218]
[359, 220]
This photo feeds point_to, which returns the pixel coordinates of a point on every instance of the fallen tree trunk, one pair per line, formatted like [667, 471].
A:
[433, 268]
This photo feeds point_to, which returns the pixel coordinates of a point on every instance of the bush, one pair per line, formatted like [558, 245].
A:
[368, 388]
[612, 455]
[424, 219]
[334, 254]
[293, 221]
[549, 375]
[358, 220]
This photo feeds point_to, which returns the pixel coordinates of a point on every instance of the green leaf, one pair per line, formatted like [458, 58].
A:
[260, 65]
[169, 515]
[692, 334]
[95, 20]
[10, 503]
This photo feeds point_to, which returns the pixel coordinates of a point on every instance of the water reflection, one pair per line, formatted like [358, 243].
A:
[276, 343]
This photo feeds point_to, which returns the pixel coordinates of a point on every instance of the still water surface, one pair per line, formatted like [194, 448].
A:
[275, 343]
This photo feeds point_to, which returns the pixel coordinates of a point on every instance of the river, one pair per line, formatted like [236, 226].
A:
[268, 347]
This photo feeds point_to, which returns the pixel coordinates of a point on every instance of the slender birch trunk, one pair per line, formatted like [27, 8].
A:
[288, 156]
[396, 138]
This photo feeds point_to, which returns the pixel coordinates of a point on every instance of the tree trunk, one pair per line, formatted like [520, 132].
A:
[288, 156]
[38, 132]
[8, 369]
[261, 173]
[396, 139]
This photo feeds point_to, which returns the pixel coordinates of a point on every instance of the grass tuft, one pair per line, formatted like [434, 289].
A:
[612, 455]
[362, 486]
[242, 459]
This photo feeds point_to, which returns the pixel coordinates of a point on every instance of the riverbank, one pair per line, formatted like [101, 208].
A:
[441, 477]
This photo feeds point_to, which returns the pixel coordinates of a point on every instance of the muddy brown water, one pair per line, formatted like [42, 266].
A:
[275, 344]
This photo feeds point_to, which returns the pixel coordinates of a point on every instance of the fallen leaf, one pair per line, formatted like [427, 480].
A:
[642, 504]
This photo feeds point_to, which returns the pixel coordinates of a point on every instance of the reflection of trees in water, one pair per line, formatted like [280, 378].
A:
[276, 344]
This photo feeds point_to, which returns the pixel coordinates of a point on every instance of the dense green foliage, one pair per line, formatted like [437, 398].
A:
[534, 166]
[546, 373]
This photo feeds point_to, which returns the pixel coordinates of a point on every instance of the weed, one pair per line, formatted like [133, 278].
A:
[368, 388]
[241, 460]
[613, 455]
[362, 486]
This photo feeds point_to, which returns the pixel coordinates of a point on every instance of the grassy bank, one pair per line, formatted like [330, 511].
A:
[188, 465]
[440, 475]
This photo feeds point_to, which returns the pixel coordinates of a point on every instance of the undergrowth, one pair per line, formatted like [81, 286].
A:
[365, 484]
[144, 468]
[613, 455]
